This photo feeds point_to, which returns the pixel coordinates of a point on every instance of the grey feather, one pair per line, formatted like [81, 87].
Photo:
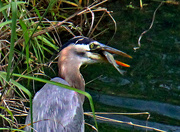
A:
[56, 109]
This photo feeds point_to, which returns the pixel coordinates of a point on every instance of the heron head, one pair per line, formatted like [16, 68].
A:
[83, 50]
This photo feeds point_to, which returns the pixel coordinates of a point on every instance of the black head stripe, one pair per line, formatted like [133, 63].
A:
[78, 40]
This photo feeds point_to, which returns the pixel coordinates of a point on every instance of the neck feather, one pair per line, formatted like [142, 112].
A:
[72, 75]
[69, 70]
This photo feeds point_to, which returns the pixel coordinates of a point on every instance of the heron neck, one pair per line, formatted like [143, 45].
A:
[69, 71]
[72, 75]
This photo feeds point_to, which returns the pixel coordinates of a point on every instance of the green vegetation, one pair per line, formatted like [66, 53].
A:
[30, 38]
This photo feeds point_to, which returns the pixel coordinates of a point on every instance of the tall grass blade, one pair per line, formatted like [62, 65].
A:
[26, 37]
[9, 5]
[10, 113]
[5, 23]
[48, 43]
[11, 129]
[13, 36]
[2, 10]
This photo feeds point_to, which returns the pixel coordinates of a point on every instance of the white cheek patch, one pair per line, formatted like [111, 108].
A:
[90, 56]
[83, 47]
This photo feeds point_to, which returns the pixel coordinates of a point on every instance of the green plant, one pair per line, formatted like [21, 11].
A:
[29, 40]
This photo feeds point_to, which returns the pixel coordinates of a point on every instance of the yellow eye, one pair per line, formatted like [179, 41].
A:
[91, 46]
[94, 46]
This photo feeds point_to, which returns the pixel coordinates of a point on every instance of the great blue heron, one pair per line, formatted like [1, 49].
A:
[56, 109]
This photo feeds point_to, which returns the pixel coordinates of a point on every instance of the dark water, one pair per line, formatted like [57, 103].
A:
[165, 109]
[152, 83]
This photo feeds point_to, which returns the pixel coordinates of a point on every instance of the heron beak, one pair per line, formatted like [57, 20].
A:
[114, 51]
[108, 51]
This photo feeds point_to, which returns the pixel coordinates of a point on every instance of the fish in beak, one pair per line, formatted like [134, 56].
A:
[108, 53]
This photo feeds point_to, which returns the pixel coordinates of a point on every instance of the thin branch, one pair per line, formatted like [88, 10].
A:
[118, 121]
[154, 15]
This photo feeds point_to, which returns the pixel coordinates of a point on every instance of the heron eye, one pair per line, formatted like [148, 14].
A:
[91, 46]
[94, 46]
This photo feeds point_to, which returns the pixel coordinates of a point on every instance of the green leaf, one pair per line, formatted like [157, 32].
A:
[69, 2]
[47, 42]
[11, 114]
[9, 5]
[13, 36]
[12, 129]
[26, 37]
[5, 23]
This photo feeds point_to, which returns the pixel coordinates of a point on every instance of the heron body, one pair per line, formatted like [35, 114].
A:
[56, 109]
